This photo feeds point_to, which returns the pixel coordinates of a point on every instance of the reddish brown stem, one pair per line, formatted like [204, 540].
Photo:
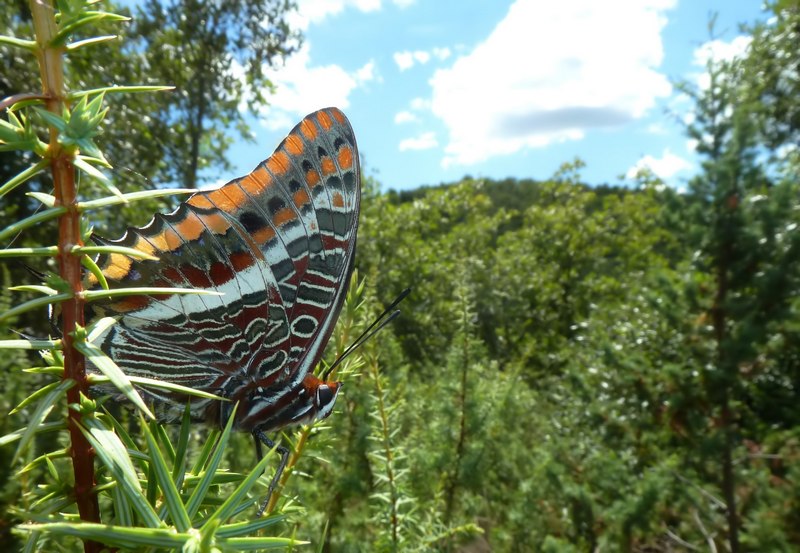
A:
[73, 315]
[52, 73]
[11, 100]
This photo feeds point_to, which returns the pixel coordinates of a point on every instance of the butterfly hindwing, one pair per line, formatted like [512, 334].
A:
[277, 245]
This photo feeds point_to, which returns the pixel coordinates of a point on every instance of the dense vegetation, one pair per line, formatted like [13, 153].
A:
[578, 368]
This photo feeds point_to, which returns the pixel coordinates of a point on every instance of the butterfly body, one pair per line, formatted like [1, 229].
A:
[277, 246]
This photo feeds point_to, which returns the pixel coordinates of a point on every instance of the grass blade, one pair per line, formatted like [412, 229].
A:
[43, 409]
[196, 499]
[114, 455]
[110, 369]
[163, 477]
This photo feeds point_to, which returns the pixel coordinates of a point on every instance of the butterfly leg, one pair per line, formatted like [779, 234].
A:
[261, 438]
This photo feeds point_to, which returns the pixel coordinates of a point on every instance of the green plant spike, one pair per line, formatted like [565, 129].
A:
[53, 393]
[111, 370]
[163, 477]
[114, 455]
[24, 176]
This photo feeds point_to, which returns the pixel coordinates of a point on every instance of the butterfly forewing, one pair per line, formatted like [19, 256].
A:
[277, 244]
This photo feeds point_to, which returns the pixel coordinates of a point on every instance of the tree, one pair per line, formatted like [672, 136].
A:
[215, 54]
[744, 277]
[771, 78]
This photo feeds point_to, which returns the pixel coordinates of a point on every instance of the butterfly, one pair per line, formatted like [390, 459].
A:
[278, 245]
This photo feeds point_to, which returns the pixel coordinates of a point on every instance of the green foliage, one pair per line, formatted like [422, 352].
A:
[577, 368]
[150, 496]
[142, 493]
[555, 375]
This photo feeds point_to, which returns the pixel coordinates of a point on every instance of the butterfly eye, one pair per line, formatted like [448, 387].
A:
[326, 399]
[324, 396]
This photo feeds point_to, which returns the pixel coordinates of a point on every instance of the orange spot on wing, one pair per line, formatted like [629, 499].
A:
[327, 166]
[229, 198]
[131, 303]
[345, 157]
[257, 181]
[144, 246]
[172, 239]
[158, 241]
[308, 129]
[294, 145]
[215, 222]
[283, 216]
[338, 115]
[338, 200]
[324, 121]
[300, 198]
[191, 227]
[200, 201]
[312, 177]
[263, 235]
[118, 266]
[278, 163]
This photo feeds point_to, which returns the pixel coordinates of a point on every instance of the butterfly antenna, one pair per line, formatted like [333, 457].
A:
[389, 314]
[52, 310]
[35, 272]
[35, 211]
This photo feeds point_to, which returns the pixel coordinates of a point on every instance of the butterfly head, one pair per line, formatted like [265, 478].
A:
[315, 400]
[325, 398]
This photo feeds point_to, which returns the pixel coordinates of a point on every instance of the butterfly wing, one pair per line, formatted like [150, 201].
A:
[278, 246]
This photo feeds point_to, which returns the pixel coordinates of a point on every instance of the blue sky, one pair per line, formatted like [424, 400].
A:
[438, 89]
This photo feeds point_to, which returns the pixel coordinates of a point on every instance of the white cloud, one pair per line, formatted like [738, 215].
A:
[656, 128]
[548, 72]
[366, 73]
[411, 115]
[315, 11]
[404, 60]
[667, 166]
[405, 117]
[420, 104]
[407, 58]
[441, 53]
[717, 51]
[298, 90]
[422, 56]
[425, 141]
